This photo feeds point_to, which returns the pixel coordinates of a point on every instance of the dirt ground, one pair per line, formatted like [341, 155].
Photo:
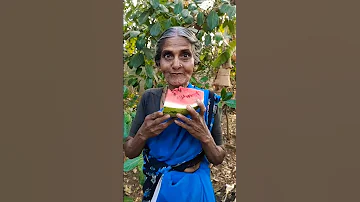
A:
[223, 176]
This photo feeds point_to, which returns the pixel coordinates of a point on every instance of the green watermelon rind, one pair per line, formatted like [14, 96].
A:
[173, 111]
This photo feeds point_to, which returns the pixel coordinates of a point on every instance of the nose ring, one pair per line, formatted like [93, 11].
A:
[181, 65]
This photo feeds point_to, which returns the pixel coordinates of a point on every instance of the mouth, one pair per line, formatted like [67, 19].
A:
[176, 73]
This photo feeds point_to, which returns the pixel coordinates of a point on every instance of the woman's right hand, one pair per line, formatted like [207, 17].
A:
[154, 124]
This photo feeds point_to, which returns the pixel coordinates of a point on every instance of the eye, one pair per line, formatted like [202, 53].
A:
[186, 55]
[167, 56]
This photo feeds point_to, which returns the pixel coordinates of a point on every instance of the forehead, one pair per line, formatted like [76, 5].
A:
[176, 43]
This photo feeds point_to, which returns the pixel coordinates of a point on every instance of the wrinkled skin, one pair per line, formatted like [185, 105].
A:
[177, 61]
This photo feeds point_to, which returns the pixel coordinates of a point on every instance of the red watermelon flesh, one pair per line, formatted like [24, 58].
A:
[177, 99]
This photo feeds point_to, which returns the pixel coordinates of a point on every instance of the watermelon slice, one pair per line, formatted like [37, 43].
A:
[176, 100]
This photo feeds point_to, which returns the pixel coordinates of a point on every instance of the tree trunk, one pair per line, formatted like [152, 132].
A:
[223, 76]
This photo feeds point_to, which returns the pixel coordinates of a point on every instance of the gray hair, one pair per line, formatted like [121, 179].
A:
[178, 31]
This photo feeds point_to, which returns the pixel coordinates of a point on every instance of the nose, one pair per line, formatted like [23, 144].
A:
[176, 63]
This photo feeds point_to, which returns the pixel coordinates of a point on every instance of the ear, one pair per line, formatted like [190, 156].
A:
[195, 67]
[159, 68]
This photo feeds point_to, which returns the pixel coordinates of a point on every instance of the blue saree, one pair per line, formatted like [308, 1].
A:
[172, 147]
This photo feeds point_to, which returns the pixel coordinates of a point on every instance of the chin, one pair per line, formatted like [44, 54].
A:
[178, 84]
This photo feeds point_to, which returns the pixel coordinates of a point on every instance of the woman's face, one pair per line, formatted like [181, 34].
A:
[177, 61]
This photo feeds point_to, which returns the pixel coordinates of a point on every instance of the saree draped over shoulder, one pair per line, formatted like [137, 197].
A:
[172, 147]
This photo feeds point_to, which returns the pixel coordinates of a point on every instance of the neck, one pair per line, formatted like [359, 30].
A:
[173, 87]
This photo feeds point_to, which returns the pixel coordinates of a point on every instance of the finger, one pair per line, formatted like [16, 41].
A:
[161, 127]
[184, 119]
[169, 122]
[202, 107]
[154, 115]
[193, 113]
[183, 125]
[161, 119]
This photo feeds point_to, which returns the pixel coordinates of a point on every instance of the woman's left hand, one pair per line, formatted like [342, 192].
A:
[196, 126]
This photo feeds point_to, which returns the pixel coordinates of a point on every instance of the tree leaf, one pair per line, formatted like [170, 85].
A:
[178, 8]
[192, 7]
[126, 130]
[194, 12]
[138, 71]
[174, 22]
[128, 199]
[141, 163]
[207, 39]
[200, 18]
[189, 20]
[223, 93]
[137, 60]
[204, 79]
[149, 53]
[206, 28]
[185, 13]
[134, 33]
[130, 164]
[166, 24]
[218, 37]
[200, 34]
[140, 43]
[149, 71]
[224, 8]
[230, 25]
[163, 9]
[231, 103]
[148, 83]
[193, 81]
[231, 12]
[144, 16]
[141, 178]
[227, 96]
[232, 46]
[212, 20]
[155, 3]
[221, 59]
[155, 29]
[125, 92]
[127, 118]
[132, 81]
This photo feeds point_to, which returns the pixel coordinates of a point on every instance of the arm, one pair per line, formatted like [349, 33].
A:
[152, 126]
[214, 153]
[197, 128]
[134, 145]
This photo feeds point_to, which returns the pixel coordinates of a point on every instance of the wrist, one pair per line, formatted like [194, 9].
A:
[206, 140]
[142, 136]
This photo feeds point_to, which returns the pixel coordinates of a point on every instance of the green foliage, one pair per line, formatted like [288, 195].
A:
[231, 103]
[226, 99]
[145, 21]
[212, 20]
[226, 95]
[130, 164]
[128, 199]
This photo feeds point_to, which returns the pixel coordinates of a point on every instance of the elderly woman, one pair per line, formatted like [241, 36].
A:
[177, 151]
